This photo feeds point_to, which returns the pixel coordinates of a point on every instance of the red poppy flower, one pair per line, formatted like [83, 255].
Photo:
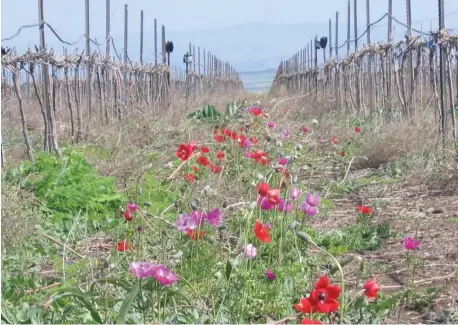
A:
[357, 129]
[342, 154]
[273, 196]
[191, 177]
[122, 246]
[371, 289]
[310, 321]
[195, 235]
[205, 149]
[220, 138]
[227, 132]
[364, 209]
[241, 129]
[323, 299]
[216, 169]
[195, 168]
[263, 188]
[203, 160]
[128, 215]
[262, 232]
[220, 155]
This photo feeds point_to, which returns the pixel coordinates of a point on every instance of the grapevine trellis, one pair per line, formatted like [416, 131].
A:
[118, 89]
[347, 83]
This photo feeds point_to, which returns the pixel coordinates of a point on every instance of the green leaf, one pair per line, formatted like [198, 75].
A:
[127, 303]
[8, 316]
[68, 292]
[113, 281]
[228, 269]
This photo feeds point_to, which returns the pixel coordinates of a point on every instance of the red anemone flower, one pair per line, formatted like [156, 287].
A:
[122, 246]
[263, 188]
[203, 160]
[323, 299]
[128, 215]
[185, 150]
[220, 155]
[205, 149]
[191, 177]
[371, 289]
[357, 129]
[256, 111]
[195, 235]
[273, 196]
[220, 138]
[365, 210]
[310, 321]
[262, 232]
[216, 169]
[195, 168]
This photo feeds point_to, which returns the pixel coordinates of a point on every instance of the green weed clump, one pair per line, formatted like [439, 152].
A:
[69, 186]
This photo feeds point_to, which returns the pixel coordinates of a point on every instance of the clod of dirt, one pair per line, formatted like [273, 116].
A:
[436, 210]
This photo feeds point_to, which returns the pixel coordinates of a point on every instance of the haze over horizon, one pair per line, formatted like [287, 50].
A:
[252, 35]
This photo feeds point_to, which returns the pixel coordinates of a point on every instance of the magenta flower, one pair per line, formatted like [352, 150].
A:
[247, 154]
[411, 243]
[247, 143]
[285, 206]
[309, 210]
[191, 221]
[283, 161]
[286, 134]
[215, 218]
[264, 203]
[250, 251]
[268, 226]
[131, 207]
[271, 124]
[295, 193]
[163, 275]
[305, 129]
[270, 275]
[142, 269]
[313, 199]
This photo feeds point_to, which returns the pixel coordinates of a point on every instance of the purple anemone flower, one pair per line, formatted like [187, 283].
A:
[313, 199]
[309, 210]
[215, 217]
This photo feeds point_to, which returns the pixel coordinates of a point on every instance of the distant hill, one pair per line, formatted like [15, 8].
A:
[249, 47]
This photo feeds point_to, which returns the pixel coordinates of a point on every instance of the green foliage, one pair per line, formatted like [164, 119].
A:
[69, 186]
[157, 195]
[207, 114]
[235, 107]
[362, 236]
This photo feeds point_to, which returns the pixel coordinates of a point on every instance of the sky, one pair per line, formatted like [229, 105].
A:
[196, 16]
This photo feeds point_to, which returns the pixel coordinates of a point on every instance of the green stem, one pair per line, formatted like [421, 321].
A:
[143, 301]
